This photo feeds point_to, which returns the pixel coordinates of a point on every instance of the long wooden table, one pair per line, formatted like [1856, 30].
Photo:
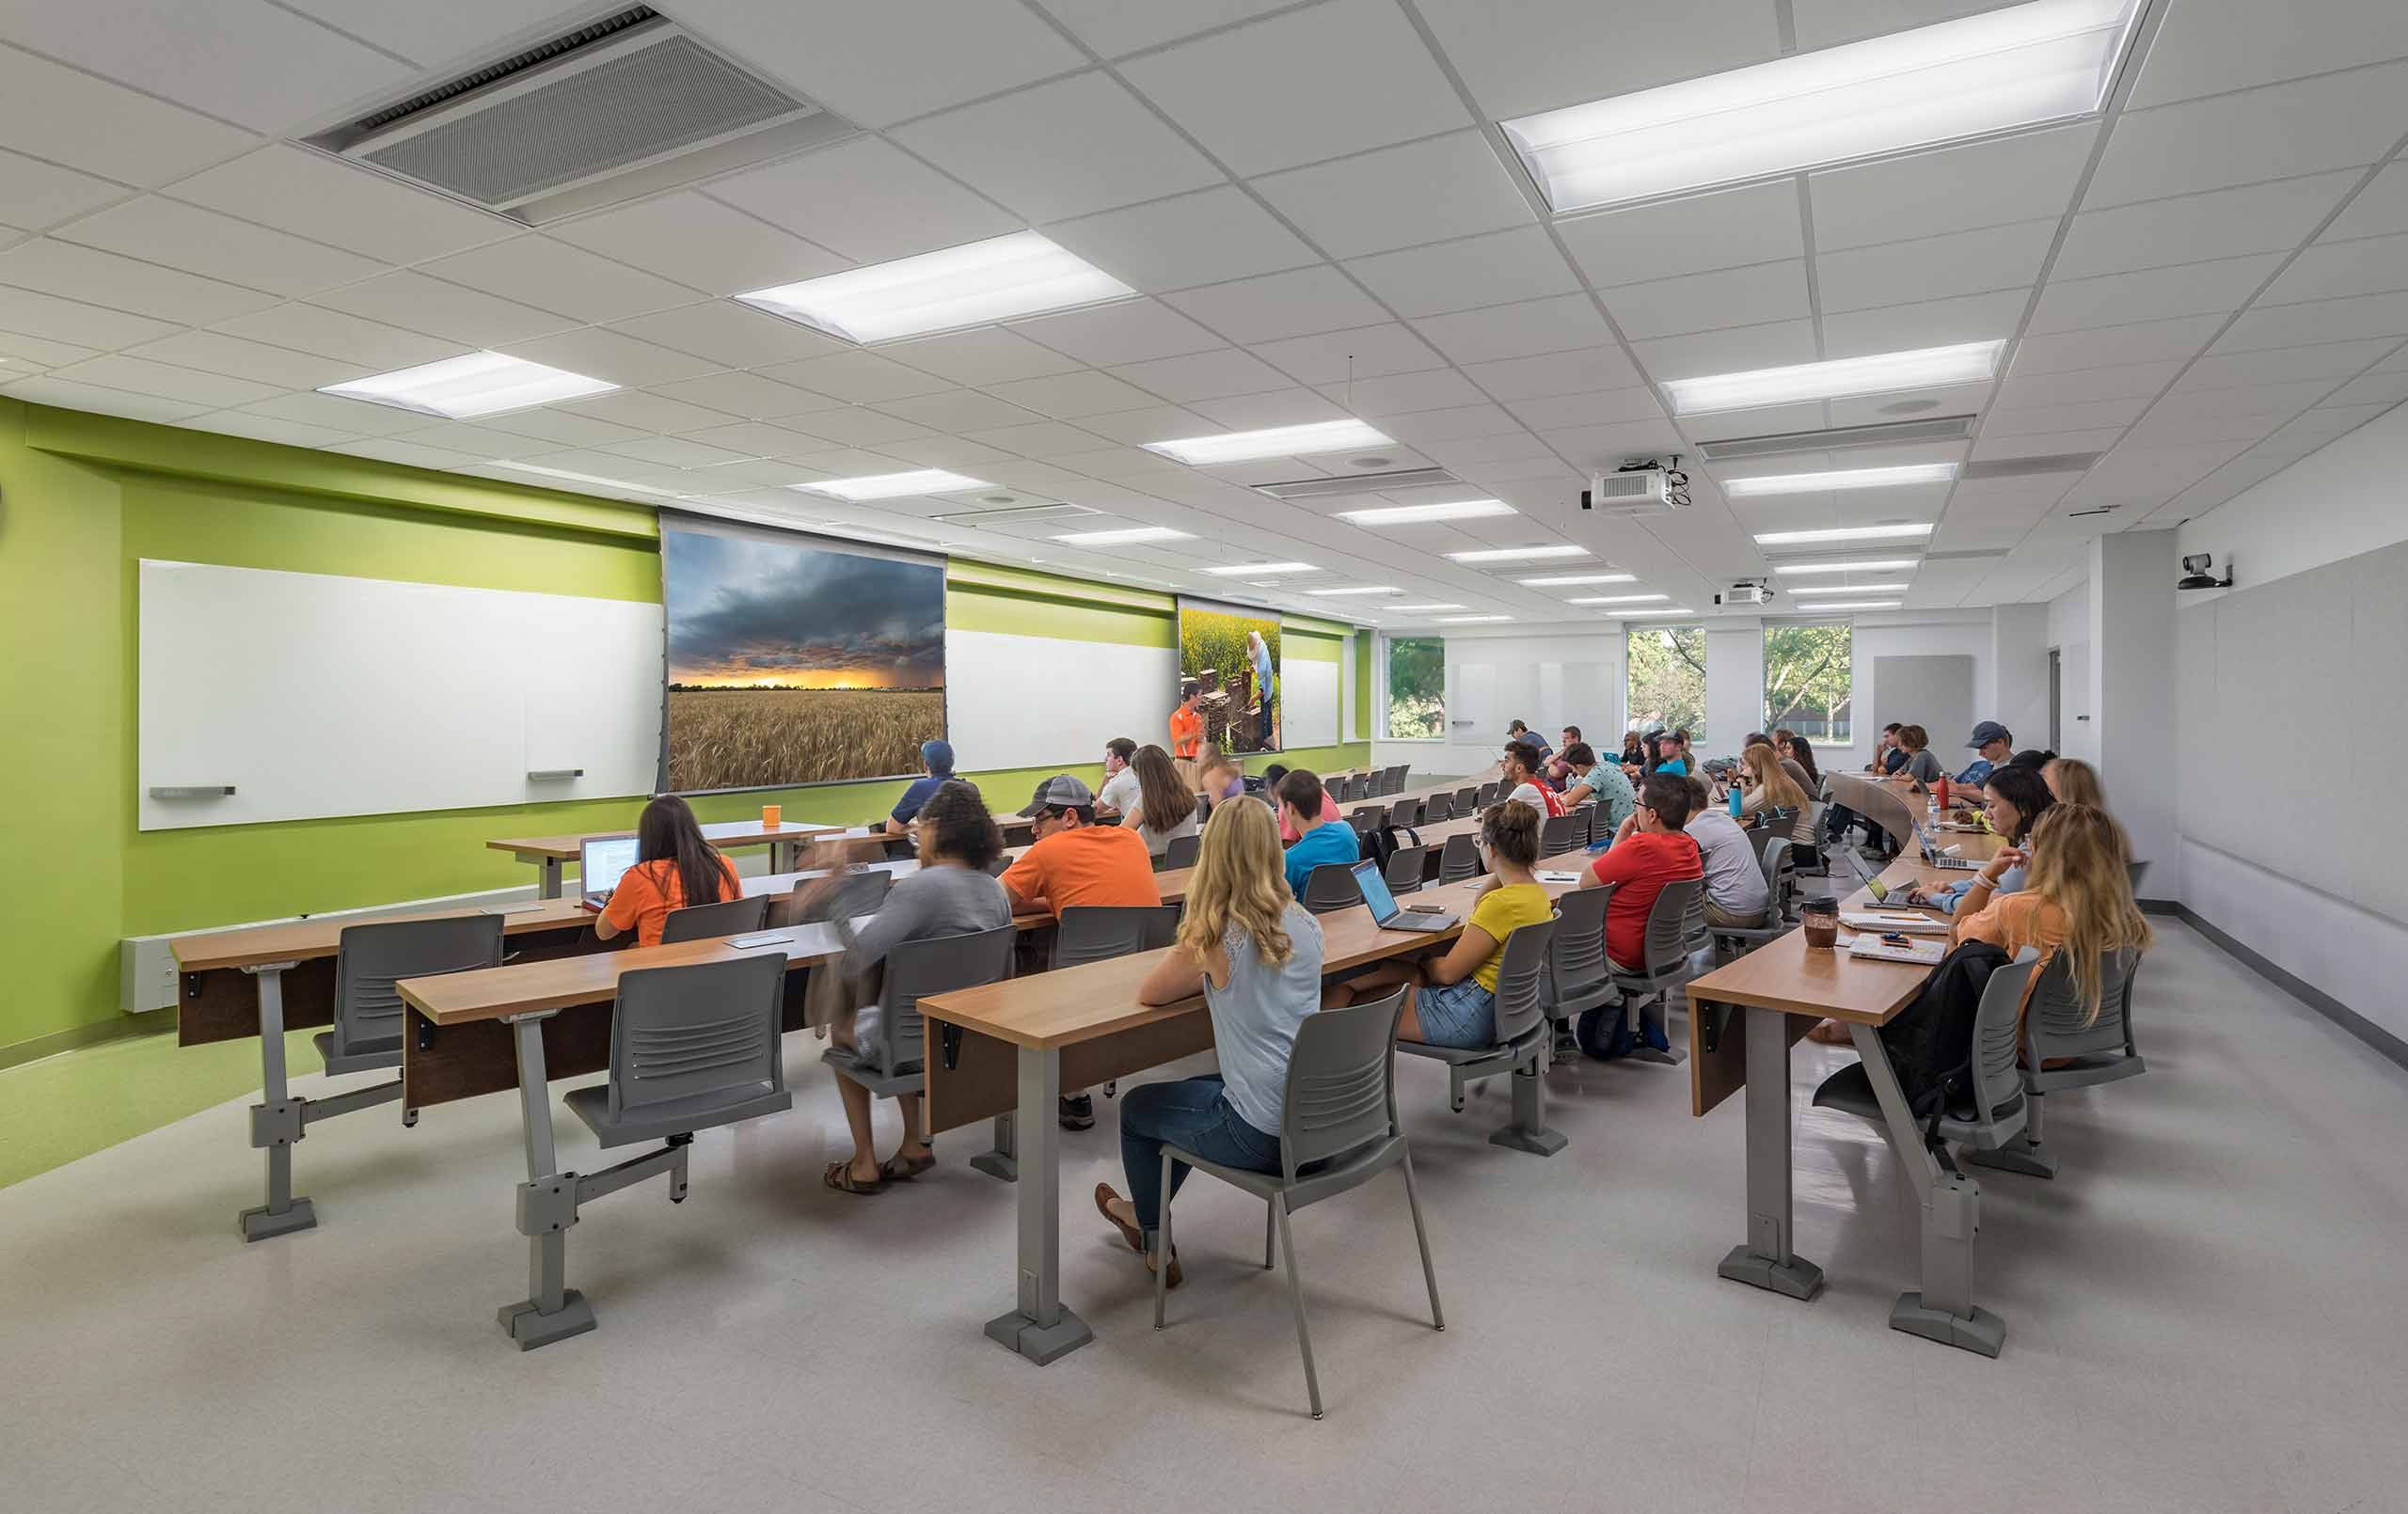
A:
[551, 854]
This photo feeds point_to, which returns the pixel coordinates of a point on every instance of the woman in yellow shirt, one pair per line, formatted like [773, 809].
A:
[1454, 1001]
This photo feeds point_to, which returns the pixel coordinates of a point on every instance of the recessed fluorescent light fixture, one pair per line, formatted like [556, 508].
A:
[1883, 566]
[1124, 536]
[1649, 614]
[1850, 589]
[1776, 483]
[1922, 368]
[1406, 609]
[972, 285]
[1617, 599]
[893, 485]
[1415, 515]
[1278, 441]
[595, 478]
[480, 384]
[1472, 620]
[1861, 604]
[1264, 570]
[1349, 593]
[1844, 533]
[1519, 554]
[2016, 66]
[1565, 580]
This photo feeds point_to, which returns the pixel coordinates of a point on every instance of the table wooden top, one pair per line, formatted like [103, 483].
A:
[1788, 976]
[720, 833]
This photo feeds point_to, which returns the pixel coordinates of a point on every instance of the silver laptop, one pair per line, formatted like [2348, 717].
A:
[1385, 913]
[600, 860]
[1933, 855]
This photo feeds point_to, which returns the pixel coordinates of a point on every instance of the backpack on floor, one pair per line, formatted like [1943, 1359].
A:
[1380, 843]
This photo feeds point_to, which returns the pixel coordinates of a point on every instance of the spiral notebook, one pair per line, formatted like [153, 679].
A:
[1922, 954]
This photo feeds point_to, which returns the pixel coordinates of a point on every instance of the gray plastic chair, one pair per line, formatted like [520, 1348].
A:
[855, 895]
[1396, 777]
[691, 1047]
[1339, 1130]
[370, 1015]
[1335, 788]
[1438, 808]
[1405, 867]
[1466, 800]
[1181, 852]
[2103, 1051]
[1092, 933]
[1737, 941]
[1560, 833]
[1368, 818]
[1521, 1046]
[1647, 986]
[1487, 795]
[1986, 1106]
[1579, 978]
[1405, 812]
[1458, 859]
[893, 1064]
[729, 917]
[1331, 886]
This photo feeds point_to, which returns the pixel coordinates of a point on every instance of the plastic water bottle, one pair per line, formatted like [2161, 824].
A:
[1940, 794]
[1735, 801]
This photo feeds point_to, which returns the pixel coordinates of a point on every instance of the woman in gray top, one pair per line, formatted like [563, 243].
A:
[1255, 955]
[951, 894]
[1165, 805]
[1920, 764]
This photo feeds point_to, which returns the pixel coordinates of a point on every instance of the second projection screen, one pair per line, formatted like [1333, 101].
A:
[1233, 658]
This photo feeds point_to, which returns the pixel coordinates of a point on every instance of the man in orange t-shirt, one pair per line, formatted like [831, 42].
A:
[1186, 722]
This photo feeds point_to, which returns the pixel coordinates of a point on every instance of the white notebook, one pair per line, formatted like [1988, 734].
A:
[1877, 921]
[1924, 953]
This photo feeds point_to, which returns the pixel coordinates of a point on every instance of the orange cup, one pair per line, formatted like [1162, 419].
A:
[770, 816]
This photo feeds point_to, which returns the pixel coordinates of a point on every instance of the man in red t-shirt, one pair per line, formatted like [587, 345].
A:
[1649, 851]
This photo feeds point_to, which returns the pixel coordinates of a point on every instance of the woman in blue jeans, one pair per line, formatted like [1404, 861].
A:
[1255, 955]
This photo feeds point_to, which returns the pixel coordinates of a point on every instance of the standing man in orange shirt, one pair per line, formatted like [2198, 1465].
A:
[1186, 722]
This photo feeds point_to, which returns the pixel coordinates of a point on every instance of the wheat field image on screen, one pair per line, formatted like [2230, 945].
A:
[791, 664]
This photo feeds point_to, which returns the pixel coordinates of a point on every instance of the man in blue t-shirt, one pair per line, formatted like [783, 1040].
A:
[1991, 743]
[937, 757]
[1673, 754]
[1317, 840]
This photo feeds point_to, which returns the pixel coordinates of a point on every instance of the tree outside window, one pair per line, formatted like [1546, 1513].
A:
[1810, 682]
[1668, 679]
[1417, 706]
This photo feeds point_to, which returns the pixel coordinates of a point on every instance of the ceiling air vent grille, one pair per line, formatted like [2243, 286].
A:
[2027, 467]
[1890, 434]
[1359, 484]
[1004, 515]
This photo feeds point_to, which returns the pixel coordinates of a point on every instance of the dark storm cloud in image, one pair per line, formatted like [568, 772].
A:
[742, 610]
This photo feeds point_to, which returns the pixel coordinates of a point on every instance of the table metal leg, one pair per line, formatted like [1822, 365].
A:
[547, 1207]
[1950, 1204]
[275, 1120]
[1004, 1160]
[1765, 1260]
[1040, 1328]
[550, 884]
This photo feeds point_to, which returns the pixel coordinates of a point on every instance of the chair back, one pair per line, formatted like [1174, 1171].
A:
[1090, 933]
[1563, 833]
[1397, 776]
[1487, 795]
[1335, 788]
[1331, 886]
[855, 895]
[1181, 852]
[1341, 1082]
[1458, 859]
[368, 960]
[1521, 981]
[1466, 800]
[1780, 875]
[1438, 808]
[1368, 818]
[1576, 950]
[1668, 925]
[1405, 812]
[1352, 787]
[697, 1034]
[729, 917]
[937, 965]
[2053, 1023]
[1404, 869]
[1997, 1084]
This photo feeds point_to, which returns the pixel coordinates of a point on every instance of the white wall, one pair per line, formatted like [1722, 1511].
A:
[1918, 634]
[2020, 673]
[2341, 502]
[2069, 633]
[1734, 684]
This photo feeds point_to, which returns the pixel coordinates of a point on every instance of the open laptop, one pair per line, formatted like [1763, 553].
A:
[600, 860]
[1932, 854]
[1385, 913]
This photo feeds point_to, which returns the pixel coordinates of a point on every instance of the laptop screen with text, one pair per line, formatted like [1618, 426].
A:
[600, 862]
[1375, 889]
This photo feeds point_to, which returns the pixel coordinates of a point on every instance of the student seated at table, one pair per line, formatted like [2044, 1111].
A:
[1559, 772]
[2075, 781]
[1517, 731]
[1254, 953]
[936, 759]
[1991, 745]
[1273, 777]
[2017, 798]
[1522, 780]
[1765, 784]
[2032, 757]
[1320, 836]
[1798, 761]
[1587, 778]
[1735, 891]
[674, 867]
[1651, 849]
[1672, 753]
[1219, 776]
[2076, 898]
[950, 894]
[1187, 721]
[1454, 998]
[1918, 763]
[1118, 795]
[1165, 808]
[1634, 754]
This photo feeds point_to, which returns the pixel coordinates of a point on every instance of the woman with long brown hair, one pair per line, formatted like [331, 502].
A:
[675, 866]
[2076, 899]
[1768, 785]
[1165, 808]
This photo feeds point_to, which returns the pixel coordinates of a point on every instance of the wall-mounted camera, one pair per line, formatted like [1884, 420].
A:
[2197, 573]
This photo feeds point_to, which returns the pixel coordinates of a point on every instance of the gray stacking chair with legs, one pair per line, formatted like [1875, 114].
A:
[1648, 985]
[1339, 1130]
[1488, 793]
[1466, 800]
[691, 1047]
[1405, 867]
[1407, 812]
[1579, 978]
[1368, 818]
[729, 917]
[1331, 886]
[1458, 859]
[1438, 808]
[1181, 852]
[1560, 833]
[1522, 1045]
[1092, 933]
[2101, 1051]
[1396, 777]
[1335, 788]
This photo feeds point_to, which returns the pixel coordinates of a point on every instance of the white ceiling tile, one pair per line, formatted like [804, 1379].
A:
[414, 302]
[2286, 399]
[701, 242]
[1494, 269]
[67, 394]
[2225, 223]
[214, 351]
[1580, 371]
[616, 465]
[51, 318]
[2043, 444]
[553, 276]
[1126, 331]
[1702, 302]
[264, 429]
[1116, 27]
[166, 381]
[1069, 148]
[735, 335]
[1204, 375]
[1603, 448]
[1320, 81]
[983, 354]
[1564, 412]
[1519, 330]
[1735, 350]
[493, 442]
[2272, 133]
[856, 426]
[39, 195]
[1070, 395]
[860, 377]
[1440, 389]
[1728, 229]
[1499, 447]
[881, 64]
[1925, 323]
[98, 277]
[2089, 415]
[2381, 208]
[758, 438]
[2148, 341]
[2371, 388]
[1400, 196]
[1361, 352]
[408, 454]
[358, 208]
[865, 199]
[2298, 325]
[1155, 423]
[2209, 46]
[1044, 438]
[1291, 304]
[2334, 270]
[117, 132]
[2331, 361]
[1984, 183]
[673, 451]
[1932, 268]
[756, 473]
[2123, 381]
[372, 344]
[240, 60]
[606, 355]
[563, 428]
[1202, 238]
[749, 395]
[960, 410]
[352, 416]
[1522, 56]
[1278, 407]
[649, 412]
[434, 31]
[2150, 293]
[38, 352]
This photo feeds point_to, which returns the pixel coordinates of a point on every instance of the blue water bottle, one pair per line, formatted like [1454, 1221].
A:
[1735, 801]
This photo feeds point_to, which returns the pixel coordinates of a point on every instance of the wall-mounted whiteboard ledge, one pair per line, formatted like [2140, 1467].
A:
[193, 791]
[554, 775]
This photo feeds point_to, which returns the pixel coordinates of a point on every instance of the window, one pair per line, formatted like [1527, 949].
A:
[1416, 705]
[1810, 682]
[1668, 679]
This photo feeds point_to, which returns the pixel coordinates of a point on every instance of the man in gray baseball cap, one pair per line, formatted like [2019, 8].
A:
[1993, 744]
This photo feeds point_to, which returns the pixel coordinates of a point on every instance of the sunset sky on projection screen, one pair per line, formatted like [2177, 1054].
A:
[752, 613]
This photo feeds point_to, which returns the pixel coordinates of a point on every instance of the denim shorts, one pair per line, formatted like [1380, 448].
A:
[1459, 1015]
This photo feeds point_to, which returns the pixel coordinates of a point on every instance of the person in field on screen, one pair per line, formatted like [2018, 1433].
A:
[1187, 721]
[1258, 653]
[674, 867]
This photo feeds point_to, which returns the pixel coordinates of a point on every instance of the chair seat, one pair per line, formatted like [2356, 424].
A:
[1472, 1056]
[1851, 1089]
[2085, 1072]
[882, 1083]
[657, 1122]
[1314, 1182]
[370, 1061]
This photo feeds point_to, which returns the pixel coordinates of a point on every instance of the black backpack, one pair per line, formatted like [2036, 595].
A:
[1380, 843]
[1930, 1042]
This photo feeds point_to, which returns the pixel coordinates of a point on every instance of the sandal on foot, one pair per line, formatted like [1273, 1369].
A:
[1103, 1197]
[839, 1176]
[896, 1170]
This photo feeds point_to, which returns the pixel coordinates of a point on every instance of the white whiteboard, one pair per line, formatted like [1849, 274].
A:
[1036, 701]
[1309, 703]
[316, 695]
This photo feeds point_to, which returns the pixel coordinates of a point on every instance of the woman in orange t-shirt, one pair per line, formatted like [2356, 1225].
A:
[2076, 899]
[674, 867]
